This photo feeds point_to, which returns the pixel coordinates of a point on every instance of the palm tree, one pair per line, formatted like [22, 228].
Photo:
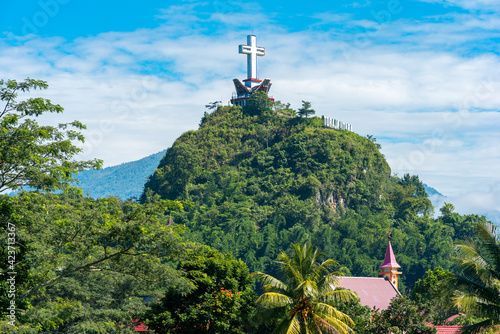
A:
[476, 283]
[307, 295]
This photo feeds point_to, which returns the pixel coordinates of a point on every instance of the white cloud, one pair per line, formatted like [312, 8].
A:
[483, 201]
[482, 5]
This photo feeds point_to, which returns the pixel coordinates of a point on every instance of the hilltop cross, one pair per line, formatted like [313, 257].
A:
[252, 85]
[252, 51]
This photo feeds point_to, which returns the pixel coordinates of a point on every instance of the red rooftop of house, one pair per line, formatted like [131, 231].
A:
[141, 328]
[372, 291]
[449, 329]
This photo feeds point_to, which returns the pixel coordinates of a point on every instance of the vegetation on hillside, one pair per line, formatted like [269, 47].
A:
[261, 180]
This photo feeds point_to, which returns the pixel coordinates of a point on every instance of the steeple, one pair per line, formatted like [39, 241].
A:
[390, 266]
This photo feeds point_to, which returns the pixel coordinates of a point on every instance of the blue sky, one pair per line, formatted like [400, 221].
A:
[423, 77]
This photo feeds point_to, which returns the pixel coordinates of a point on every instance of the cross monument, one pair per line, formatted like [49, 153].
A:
[252, 51]
[252, 85]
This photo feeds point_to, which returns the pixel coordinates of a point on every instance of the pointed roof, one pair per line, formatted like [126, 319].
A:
[390, 259]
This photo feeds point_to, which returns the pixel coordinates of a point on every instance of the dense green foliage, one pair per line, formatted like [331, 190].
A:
[402, 316]
[260, 183]
[304, 300]
[431, 297]
[221, 302]
[34, 155]
[475, 282]
[84, 264]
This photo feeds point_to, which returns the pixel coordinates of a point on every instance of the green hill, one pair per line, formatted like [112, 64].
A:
[260, 180]
[124, 181]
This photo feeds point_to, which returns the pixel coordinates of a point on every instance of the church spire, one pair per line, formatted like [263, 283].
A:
[390, 266]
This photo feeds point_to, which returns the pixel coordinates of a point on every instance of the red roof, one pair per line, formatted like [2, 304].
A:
[373, 291]
[449, 329]
[390, 259]
[141, 327]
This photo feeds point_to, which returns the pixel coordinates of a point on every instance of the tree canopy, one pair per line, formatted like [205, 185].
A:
[221, 301]
[34, 155]
[67, 243]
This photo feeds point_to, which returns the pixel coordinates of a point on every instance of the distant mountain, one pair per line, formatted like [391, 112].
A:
[124, 181]
[437, 199]
[433, 192]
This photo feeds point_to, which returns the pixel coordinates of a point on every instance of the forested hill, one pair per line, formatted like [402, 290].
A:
[261, 179]
[124, 181]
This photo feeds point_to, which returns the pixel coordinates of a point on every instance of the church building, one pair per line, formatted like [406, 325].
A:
[377, 291]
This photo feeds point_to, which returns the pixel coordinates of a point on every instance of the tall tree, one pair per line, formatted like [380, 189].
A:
[258, 104]
[476, 279]
[428, 295]
[213, 105]
[305, 110]
[221, 301]
[34, 155]
[307, 296]
[401, 317]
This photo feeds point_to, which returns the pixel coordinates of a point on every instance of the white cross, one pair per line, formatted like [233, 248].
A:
[252, 51]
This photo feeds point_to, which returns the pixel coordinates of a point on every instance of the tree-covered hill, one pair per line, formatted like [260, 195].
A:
[123, 181]
[261, 179]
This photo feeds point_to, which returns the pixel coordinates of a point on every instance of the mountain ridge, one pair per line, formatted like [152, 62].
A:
[125, 181]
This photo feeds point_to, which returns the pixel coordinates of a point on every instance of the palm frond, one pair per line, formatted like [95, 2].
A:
[489, 240]
[287, 267]
[478, 327]
[306, 294]
[330, 312]
[330, 325]
[338, 295]
[325, 269]
[289, 326]
[476, 284]
[309, 289]
[329, 282]
[274, 299]
[269, 282]
[471, 253]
